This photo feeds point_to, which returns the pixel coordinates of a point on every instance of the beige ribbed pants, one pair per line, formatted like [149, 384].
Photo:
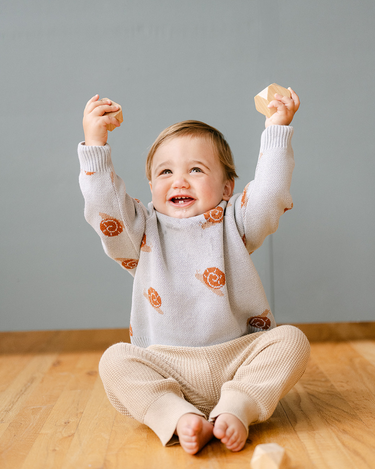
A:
[245, 377]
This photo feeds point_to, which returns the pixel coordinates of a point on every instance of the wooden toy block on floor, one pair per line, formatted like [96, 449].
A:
[269, 456]
[116, 114]
[263, 98]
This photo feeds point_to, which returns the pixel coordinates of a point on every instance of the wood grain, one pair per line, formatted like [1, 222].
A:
[54, 413]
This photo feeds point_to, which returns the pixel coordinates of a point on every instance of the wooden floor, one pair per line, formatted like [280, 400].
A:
[54, 412]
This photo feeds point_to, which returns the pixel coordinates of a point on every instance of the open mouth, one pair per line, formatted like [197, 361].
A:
[181, 201]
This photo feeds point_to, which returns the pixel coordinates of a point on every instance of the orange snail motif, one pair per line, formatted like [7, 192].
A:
[144, 246]
[213, 278]
[216, 215]
[154, 298]
[143, 243]
[128, 264]
[260, 322]
[89, 173]
[110, 226]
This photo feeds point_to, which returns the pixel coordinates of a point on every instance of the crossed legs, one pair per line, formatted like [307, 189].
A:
[198, 394]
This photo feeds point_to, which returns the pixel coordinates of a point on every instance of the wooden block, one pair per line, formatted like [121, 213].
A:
[269, 456]
[263, 98]
[116, 114]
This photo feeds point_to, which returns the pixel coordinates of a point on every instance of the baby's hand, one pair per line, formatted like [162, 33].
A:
[95, 122]
[285, 109]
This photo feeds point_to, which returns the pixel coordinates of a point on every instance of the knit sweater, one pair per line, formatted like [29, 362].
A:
[194, 281]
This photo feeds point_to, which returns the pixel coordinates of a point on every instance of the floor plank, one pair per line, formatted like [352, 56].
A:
[55, 437]
[321, 445]
[34, 393]
[353, 441]
[345, 366]
[366, 349]
[280, 428]
[90, 441]
[15, 396]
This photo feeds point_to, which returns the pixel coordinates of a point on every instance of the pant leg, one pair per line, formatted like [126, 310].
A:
[245, 377]
[262, 374]
[139, 383]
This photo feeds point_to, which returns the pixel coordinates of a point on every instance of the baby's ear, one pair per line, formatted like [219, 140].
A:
[228, 189]
[150, 186]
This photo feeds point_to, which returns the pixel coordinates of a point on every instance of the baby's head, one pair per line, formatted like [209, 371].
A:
[190, 169]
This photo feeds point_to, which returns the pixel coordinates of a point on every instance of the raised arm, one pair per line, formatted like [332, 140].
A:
[268, 196]
[118, 219]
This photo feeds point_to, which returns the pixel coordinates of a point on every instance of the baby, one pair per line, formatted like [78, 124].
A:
[206, 358]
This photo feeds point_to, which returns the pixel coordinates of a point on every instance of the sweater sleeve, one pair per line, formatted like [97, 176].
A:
[267, 197]
[118, 219]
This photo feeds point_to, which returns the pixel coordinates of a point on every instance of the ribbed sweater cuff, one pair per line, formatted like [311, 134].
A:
[276, 136]
[95, 159]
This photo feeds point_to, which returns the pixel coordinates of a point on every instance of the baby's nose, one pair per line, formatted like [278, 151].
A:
[180, 182]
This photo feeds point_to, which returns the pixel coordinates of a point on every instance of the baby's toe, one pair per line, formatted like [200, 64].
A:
[236, 447]
[237, 442]
[230, 436]
[220, 430]
[192, 445]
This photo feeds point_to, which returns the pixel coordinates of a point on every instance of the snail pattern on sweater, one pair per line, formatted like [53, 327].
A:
[213, 278]
[128, 264]
[154, 299]
[110, 226]
[262, 322]
[213, 216]
[144, 246]
[194, 281]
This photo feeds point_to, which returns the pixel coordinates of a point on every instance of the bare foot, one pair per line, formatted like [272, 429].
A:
[194, 432]
[231, 431]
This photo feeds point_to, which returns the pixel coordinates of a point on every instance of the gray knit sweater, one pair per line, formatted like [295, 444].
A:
[194, 281]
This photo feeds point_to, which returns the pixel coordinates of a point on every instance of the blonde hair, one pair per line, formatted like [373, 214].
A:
[193, 129]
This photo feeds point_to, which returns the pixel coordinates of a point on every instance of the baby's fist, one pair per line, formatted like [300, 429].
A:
[285, 109]
[95, 121]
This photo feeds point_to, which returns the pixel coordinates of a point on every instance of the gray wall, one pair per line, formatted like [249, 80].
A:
[165, 61]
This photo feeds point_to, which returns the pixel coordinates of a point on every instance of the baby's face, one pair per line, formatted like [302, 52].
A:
[187, 178]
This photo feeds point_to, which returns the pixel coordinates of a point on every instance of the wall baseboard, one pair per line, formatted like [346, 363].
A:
[65, 341]
[338, 331]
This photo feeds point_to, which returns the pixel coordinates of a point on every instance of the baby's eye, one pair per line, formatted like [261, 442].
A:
[166, 171]
[196, 170]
